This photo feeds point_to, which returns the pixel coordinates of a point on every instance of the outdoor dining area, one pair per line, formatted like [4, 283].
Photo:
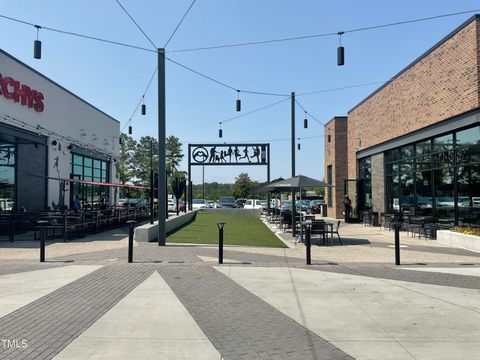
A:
[289, 217]
[414, 225]
[66, 224]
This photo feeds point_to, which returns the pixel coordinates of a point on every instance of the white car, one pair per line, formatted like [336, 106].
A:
[255, 204]
[172, 205]
[199, 204]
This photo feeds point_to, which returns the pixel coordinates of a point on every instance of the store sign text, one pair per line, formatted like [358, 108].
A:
[11, 89]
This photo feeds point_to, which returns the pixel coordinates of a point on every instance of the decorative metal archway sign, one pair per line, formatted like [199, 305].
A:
[226, 155]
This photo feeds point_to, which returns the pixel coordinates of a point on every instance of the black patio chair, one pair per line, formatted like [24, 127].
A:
[335, 231]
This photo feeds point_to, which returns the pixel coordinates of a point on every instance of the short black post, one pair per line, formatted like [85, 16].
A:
[308, 243]
[131, 228]
[220, 226]
[41, 224]
[397, 226]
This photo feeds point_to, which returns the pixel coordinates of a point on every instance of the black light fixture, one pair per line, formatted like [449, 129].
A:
[298, 145]
[239, 102]
[220, 131]
[54, 142]
[37, 45]
[130, 130]
[144, 107]
[70, 147]
[305, 121]
[340, 51]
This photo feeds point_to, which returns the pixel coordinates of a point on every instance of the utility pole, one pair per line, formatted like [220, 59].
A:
[162, 178]
[293, 162]
[151, 182]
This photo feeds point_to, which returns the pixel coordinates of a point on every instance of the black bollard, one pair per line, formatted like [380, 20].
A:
[308, 244]
[397, 227]
[220, 226]
[41, 224]
[131, 228]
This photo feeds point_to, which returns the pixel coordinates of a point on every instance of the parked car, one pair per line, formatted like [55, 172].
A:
[181, 205]
[172, 205]
[255, 204]
[199, 204]
[316, 206]
[302, 205]
[240, 203]
[226, 202]
[285, 205]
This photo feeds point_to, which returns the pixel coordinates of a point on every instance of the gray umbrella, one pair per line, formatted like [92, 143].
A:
[294, 183]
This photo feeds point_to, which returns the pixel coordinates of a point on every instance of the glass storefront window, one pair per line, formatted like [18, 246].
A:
[7, 177]
[468, 200]
[89, 169]
[444, 180]
[468, 137]
[423, 148]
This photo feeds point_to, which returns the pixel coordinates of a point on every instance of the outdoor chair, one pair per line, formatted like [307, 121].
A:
[318, 227]
[335, 231]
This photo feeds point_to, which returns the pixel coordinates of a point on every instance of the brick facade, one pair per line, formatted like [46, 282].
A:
[336, 156]
[442, 83]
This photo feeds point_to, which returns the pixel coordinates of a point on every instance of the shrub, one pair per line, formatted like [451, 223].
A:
[468, 230]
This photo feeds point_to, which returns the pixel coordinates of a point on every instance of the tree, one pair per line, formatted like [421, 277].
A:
[125, 161]
[141, 160]
[242, 186]
[174, 155]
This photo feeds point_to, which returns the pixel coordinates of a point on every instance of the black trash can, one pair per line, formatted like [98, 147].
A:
[324, 210]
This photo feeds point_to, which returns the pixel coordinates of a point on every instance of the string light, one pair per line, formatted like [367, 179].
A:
[239, 102]
[37, 45]
[340, 50]
[220, 131]
[305, 121]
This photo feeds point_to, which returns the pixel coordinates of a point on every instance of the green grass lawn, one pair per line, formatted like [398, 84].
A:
[238, 230]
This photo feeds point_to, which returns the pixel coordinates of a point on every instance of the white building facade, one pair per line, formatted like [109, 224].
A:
[48, 133]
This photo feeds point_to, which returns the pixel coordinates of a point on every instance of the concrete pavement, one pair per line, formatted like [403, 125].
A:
[176, 302]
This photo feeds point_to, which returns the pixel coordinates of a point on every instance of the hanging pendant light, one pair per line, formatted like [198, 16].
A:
[144, 107]
[220, 131]
[239, 102]
[37, 45]
[340, 51]
[130, 130]
[305, 121]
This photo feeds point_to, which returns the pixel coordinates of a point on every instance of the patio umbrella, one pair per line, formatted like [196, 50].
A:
[295, 184]
[264, 188]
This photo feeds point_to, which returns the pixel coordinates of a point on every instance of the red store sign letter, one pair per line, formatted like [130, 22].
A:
[11, 89]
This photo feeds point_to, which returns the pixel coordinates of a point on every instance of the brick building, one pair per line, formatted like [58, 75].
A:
[414, 144]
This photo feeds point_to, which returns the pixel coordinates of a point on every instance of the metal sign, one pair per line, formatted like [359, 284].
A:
[228, 154]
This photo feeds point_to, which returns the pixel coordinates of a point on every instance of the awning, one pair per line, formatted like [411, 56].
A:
[92, 182]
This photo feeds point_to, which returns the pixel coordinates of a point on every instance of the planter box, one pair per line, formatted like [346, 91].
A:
[458, 240]
[148, 233]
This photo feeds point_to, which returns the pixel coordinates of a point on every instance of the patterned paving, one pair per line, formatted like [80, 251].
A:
[50, 323]
[241, 325]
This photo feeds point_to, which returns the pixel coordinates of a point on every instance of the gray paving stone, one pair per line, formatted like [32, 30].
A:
[239, 324]
[50, 323]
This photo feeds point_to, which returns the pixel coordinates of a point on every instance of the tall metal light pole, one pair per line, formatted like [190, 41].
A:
[162, 179]
[151, 182]
[294, 233]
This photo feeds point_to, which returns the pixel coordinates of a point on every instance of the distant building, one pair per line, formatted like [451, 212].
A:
[48, 132]
[414, 144]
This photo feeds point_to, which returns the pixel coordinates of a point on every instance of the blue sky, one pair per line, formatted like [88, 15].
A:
[113, 78]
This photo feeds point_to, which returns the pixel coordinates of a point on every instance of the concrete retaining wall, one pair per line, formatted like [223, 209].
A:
[458, 240]
[149, 232]
[230, 211]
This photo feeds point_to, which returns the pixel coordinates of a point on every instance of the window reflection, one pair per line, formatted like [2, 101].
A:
[7, 177]
[441, 180]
